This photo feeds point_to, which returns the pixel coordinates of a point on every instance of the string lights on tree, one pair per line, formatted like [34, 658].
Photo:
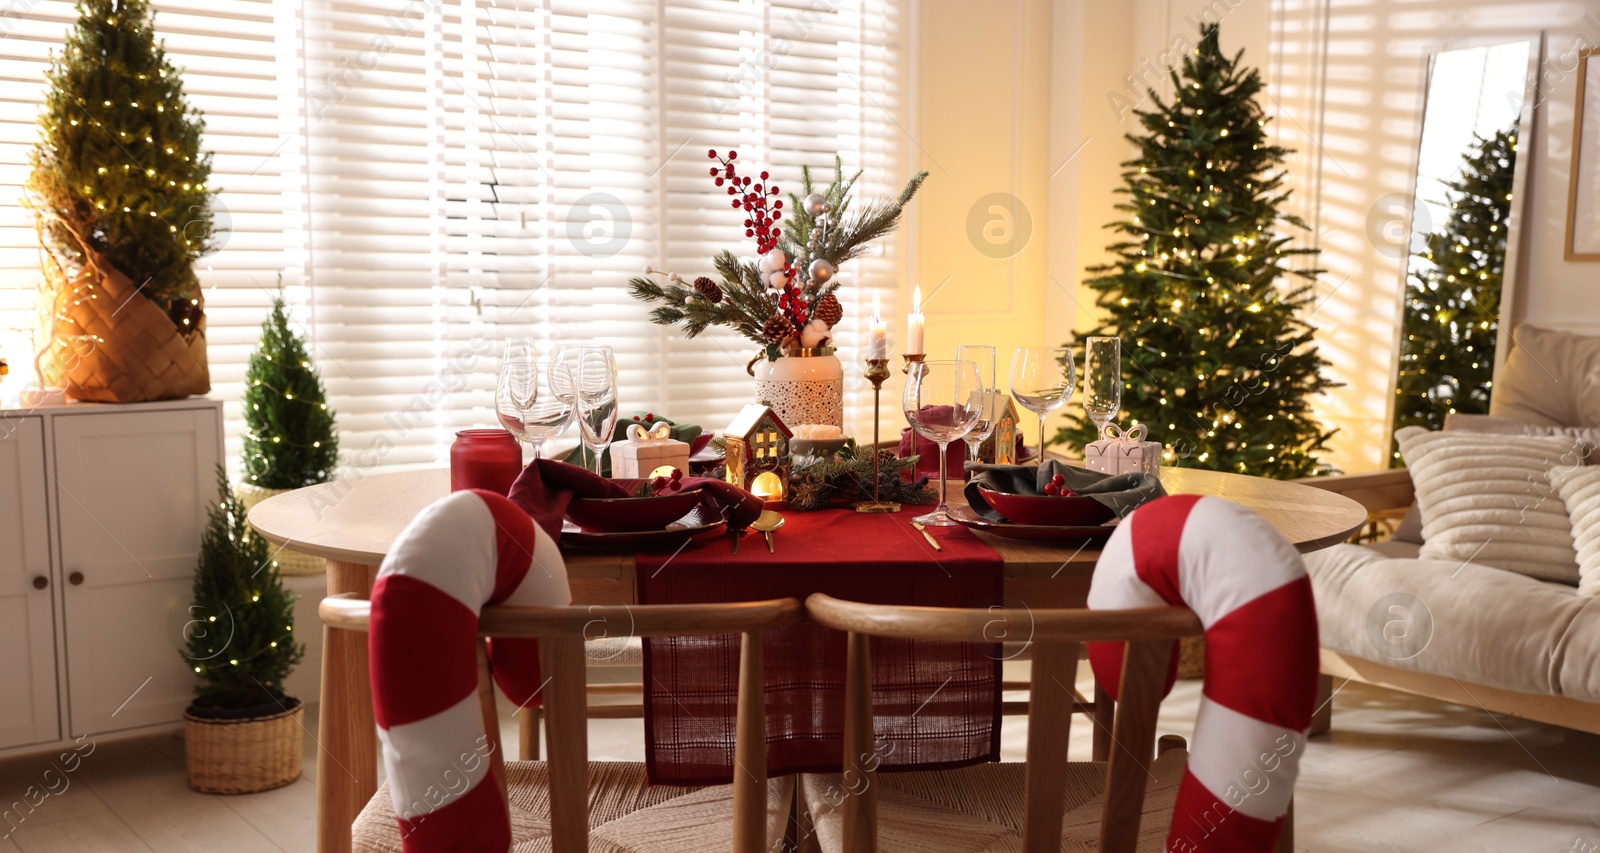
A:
[1217, 347]
[290, 439]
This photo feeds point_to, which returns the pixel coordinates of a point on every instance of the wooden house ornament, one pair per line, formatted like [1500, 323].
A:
[1000, 448]
[758, 452]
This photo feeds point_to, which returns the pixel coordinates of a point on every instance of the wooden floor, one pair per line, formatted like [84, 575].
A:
[1398, 773]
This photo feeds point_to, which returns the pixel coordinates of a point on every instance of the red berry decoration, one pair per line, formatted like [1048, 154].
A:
[677, 475]
[650, 417]
[1051, 489]
[659, 483]
[756, 199]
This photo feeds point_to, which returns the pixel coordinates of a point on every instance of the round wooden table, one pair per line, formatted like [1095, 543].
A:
[353, 522]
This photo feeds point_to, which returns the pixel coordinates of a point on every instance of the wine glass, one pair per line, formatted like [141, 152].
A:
[939, 404]
[594, 377]
[1041, 381]
[983, 357]
[515, 390]
[1102, 380]
[552, 410]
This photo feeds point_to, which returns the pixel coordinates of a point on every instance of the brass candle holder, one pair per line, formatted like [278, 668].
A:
[912, 358]
[877, 371]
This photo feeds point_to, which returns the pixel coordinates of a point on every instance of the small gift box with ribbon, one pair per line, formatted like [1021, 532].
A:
[647, 449]
[1123, 452]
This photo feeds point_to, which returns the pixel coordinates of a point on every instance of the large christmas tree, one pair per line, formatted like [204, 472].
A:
[1218, 360]
[118, 160]
[289, 441]
[240, 636]
[1452, 310]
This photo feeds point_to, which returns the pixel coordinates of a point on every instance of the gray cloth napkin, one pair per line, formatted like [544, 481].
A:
[1123, 493]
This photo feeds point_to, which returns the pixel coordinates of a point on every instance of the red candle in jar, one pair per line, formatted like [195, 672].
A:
[487, 459]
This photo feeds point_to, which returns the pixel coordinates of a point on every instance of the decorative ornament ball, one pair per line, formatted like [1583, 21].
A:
[816, 205]
[822, 271]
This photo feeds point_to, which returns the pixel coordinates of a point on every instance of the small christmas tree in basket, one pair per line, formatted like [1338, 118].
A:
[242, 733]
[121, 202]
[289, 440]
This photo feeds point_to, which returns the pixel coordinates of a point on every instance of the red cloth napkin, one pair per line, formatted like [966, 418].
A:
[937, 705]
[546, 487]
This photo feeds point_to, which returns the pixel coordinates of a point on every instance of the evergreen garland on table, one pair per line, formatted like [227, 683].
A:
[1217, 354]
[1452, 310]
[847, 476]
[741, 301]
[118, 159]
[289, 439]
[240, 636]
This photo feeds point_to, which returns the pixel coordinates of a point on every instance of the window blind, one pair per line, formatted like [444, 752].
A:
[431, 178]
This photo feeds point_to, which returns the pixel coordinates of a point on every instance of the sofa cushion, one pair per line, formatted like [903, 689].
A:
[1488, 499]
[1589, 435]
[1580, 492]
[1551, 377]
[1459, 620]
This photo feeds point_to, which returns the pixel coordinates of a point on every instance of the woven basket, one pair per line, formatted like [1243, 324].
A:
[110, 344]
[1192, 657]
[245, 755]
[290, 563]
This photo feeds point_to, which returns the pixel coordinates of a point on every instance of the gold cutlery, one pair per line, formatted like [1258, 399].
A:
[768, 523]
[926, 535]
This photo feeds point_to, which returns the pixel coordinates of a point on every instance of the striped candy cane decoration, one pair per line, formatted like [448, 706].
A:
[1249, 588]
[470, 549]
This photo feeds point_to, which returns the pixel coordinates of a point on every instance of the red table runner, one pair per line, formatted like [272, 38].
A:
[936, 705]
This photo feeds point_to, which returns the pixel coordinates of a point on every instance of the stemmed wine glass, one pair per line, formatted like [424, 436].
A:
[594, 376]
[939, 404]
[1041, 381]
[1102, 381]
[526, 400]
[982, 357]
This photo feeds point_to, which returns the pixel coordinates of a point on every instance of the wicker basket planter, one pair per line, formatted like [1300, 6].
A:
[290, 563]
[243, 752]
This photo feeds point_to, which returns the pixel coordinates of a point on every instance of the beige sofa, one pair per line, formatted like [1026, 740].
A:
[1463, 632]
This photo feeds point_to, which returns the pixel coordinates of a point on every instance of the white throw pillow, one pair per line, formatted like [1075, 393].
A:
[1487, 499]
[1580, 491]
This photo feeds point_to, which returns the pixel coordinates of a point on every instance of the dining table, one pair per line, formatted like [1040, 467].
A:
[353, 521]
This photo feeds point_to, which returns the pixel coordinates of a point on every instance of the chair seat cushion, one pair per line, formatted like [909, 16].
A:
[979, 809]
[626, 813]
[614, 651]
[1460, 620]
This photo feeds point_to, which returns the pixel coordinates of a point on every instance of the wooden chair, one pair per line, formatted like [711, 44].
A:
[1048, 803]
[610, 799]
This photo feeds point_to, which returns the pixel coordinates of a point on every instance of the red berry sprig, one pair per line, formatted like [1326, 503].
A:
[759, 200]
[668, 485]
[1057, 488]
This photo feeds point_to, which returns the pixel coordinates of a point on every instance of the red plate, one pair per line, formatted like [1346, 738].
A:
[631, 515]
[968, 517]
[1048, 511]
[699, 522]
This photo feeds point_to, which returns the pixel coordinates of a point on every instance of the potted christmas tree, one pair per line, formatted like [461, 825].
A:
[121, 203]
[289, 439]
[241, 733]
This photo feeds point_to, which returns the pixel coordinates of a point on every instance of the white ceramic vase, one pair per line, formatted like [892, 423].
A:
[806, 387]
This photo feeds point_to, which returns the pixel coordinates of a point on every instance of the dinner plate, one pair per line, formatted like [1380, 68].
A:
[968, 517]
[699, 522]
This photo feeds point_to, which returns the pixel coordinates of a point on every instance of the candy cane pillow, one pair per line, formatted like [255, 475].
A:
[470, 549]
[1249, 588]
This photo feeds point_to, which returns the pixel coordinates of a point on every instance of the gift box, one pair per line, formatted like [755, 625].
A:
[1123, 452]
[647, 449]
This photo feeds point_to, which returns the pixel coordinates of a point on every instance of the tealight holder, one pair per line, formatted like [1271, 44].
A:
[877, 371]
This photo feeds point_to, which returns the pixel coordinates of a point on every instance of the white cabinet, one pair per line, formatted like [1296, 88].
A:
[101, 513]
[28, 706]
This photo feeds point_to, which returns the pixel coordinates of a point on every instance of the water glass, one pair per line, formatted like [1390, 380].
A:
[1041, 382]
[939, 403]
[983, 357]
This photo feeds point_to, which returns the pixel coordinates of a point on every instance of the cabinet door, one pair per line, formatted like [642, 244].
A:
[133, 489]
[28, 712]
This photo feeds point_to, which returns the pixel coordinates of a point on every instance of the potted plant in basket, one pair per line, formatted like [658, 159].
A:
[289, 439]
[241, 733]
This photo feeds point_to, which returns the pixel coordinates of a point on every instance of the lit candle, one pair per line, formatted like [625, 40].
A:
[914, 324]
[878, 340]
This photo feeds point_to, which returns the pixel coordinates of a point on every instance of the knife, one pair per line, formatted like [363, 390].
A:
[926, 535]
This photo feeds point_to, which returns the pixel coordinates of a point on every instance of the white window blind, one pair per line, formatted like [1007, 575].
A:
[432, 178]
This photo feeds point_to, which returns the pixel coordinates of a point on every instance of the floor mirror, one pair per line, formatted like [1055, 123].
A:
[1460, 274]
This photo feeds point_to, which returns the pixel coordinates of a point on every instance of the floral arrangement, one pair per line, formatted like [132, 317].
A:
[784, 299]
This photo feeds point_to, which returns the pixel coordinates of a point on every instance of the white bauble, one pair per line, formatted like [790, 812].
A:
[816, 204]
[815, 334]
[773, 261]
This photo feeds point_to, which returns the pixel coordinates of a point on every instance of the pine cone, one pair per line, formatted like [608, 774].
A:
[828, 310]
[778, 329]
[708, 289]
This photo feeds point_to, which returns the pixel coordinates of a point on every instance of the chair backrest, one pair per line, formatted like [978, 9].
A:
[561, 632]
[1057, 637]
